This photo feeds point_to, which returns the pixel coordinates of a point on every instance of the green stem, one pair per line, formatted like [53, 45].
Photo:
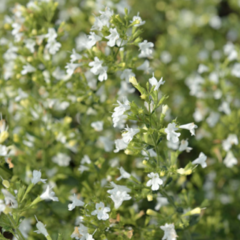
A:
[15, 227]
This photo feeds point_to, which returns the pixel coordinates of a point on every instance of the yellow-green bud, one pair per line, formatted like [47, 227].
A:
[150, 212]
[6, 183]
[133, 80]
[149, 197]
[164, 109]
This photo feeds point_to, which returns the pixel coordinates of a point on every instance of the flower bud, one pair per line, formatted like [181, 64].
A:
[164, 109]
[133, 80]
[150, 212]
[144, 162]
[149, 197]
[162, 173]
[6, 183]
[3, 136]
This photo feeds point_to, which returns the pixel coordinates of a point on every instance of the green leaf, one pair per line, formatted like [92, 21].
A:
[4, 221]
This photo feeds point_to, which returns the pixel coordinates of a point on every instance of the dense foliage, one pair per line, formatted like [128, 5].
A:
[119, 119]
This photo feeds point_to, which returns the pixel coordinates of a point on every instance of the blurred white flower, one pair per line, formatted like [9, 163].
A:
[153, 81]
[169, 232]
[113, 37]
[231, 140]
[172, 136]
[61, 159]
[230, 160]
[189, 126]
[37, 177]
[101, 211]
[75, 203]
[119, 194]
[146, 49]
[201, 160]
[48, 194]
[124, 174]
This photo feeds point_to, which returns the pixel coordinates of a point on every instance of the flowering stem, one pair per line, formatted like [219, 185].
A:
[15, 227]
[27, 191]
[37, 200]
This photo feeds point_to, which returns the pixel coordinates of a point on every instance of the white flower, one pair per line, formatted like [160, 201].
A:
[102, 73]
[153, 81]
[98, 126]
[103, 19]
[230, 160]
[96, 65]
[21, 95]
[49, 194]
[190, 126]
[126, 74]
[145, 67]
[172, 136]
[201, 160]
[83, 168]
[59, 74]
[113, 37]
[101, 211]
[89, 237]
[119, 194]
[81, 233]
[2, 206]
[155, 181]
[169, 232]
[41, 229]
[149, 153]
[61, 159]
[30, 44]
[145, 48]
[230, 50]
[53, 46]
[213, 119]
[164, 109]
[138, 20]
[231, 140]
[118, 116]
[213, 77]
[215, 22]
[75, 56]
[37, 177]
[202, 68]
[125, 89]
[236, 70]
[98, 69]
[24, 227]
[71, 68]
[184, 146]
[75, 203]
[28, 69]
[224, 107]
[10, 200]
[3, 150]
[128, 136]
[107, 143]
[93, 38]
[172, 145]
[51, 35]
[86, 159]
[124, 174]
[120, 145]
[161, 201]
